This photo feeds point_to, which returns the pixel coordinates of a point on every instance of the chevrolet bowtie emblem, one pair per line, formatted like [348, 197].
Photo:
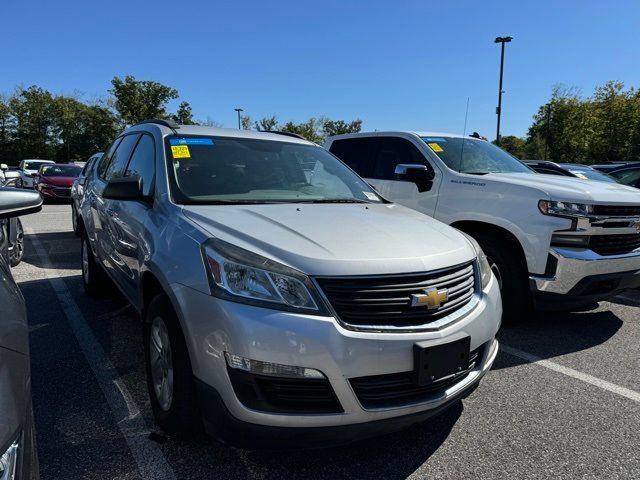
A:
[432, 298]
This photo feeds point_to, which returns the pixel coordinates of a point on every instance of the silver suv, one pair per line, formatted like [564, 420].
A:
[284, 301]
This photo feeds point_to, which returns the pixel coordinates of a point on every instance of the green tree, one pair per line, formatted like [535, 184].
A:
[245, 122]
[183, 115]
[137, 100]
[267, 124]
[516, 146]
[33, 112]
[339, 127]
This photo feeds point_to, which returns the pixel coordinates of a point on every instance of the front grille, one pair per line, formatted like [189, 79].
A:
[284, 395]
[614, 244]
[398, 389]
[385, 301]
[62, 192]
[616, 210]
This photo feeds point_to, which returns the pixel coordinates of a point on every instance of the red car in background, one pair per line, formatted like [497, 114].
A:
[54, 181]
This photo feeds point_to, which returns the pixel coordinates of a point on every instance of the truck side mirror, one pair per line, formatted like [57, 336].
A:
[4, 167]
[415, 173]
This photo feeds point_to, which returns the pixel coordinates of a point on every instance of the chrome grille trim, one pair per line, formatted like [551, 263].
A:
[391, 311]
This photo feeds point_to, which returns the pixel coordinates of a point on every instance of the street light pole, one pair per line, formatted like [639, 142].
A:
[502, 41]
[239, 119]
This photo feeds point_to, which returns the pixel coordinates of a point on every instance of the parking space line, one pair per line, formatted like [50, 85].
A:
[570, 372]
[149, 458]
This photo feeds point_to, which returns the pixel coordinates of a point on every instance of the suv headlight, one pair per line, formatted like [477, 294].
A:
[242, 276]
[9, 461]
[565, 209]
[484, 269]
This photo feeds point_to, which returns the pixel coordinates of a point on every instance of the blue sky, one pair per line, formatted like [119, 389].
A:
[395, 65]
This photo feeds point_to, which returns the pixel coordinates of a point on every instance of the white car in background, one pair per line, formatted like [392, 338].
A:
[28, 169]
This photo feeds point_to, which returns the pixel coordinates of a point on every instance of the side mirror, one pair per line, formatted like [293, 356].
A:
[4, 167]
[126, 188]
[82, 180]
[15, 202]
[415, 173]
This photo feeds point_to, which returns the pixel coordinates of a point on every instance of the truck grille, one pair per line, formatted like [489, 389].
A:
[397, 389]
[614, 244]
[384, 301]
[616, 210]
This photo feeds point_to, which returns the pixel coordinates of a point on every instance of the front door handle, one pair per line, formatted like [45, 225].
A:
[110, 211]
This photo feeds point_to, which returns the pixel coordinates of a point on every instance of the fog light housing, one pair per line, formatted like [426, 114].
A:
[257, 367]
[570, 240]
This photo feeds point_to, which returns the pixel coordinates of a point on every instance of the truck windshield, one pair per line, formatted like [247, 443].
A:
[226, 170]
[468, 155]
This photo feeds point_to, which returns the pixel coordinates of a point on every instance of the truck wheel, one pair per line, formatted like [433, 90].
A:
[169, 374]
[93, 277]
[510, 270]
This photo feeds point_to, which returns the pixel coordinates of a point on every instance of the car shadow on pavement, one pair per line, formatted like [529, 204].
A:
[553, 334]
[63, 250]
[392, 456]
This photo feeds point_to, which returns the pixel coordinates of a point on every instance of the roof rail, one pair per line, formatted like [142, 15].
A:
[165, 123]
[287, 134]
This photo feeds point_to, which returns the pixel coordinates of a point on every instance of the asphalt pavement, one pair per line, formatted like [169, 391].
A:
[562, 400]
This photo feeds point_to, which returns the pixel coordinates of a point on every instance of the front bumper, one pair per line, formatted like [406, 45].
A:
[57, 193]
[583, 277]
[213, 326]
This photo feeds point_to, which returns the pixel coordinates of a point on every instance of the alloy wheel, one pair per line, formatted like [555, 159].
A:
[161, 361]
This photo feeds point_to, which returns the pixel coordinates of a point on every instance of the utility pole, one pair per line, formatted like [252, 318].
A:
[239, 110]
[501, 41]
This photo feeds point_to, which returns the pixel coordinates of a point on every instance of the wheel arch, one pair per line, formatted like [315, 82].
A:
[472, 227]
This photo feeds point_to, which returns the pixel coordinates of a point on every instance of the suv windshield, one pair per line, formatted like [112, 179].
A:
[468, 155]
[60, 170]
[213, 170]
[588, 173]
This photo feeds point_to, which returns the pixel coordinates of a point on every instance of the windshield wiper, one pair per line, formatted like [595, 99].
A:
[334, 200]
[476, 173]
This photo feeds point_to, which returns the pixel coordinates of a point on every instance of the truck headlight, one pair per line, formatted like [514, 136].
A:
[484, 269]
[242, 276]
[565, 209]
[9, 461]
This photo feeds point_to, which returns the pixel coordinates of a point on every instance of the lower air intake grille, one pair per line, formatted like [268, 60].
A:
[614, 244]
[398, 389]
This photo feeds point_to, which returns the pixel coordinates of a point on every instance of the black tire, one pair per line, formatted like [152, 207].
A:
[17, 250]
[510, 268]
[179, 417]
[74, 219]
[94, 277]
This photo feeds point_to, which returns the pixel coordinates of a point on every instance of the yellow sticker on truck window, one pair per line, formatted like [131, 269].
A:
[435, 147]
[180, 151]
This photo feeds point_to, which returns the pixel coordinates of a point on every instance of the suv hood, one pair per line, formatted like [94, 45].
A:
[571, 189]
[338, 239]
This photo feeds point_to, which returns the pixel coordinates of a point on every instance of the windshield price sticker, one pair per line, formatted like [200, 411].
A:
[180, 151]
[435, 147]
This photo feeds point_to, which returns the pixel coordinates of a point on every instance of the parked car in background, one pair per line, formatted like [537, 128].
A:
[628, 174]
[284, 301]
[54, 181]
[77, 189]
[575, 170]
[28, 170]
[559, 241]
[18, 455]
[606, 167]
[3, 168]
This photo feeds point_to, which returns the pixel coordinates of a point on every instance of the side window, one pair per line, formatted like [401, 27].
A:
[393, 151]
[143, 163]
[121, 157]
[104, 162]
[356, 152]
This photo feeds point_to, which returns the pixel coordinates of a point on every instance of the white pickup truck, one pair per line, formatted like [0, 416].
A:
[553, 242]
